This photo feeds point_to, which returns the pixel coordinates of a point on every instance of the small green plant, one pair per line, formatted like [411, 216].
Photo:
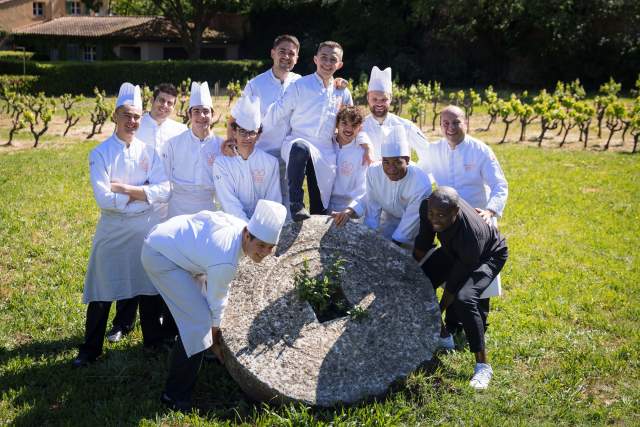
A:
[324, 292]
[358, 313]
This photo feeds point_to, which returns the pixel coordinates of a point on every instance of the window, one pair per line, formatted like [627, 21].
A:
[131, 53]
[89, 53]
[73, 8]
[38, 8]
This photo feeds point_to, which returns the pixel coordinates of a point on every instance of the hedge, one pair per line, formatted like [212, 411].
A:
[15, 54]
[57, 78]
[21, 84]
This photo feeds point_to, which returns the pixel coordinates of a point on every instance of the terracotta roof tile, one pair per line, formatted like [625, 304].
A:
[121, 27]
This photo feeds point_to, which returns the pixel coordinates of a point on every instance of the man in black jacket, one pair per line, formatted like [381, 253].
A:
[471, 255]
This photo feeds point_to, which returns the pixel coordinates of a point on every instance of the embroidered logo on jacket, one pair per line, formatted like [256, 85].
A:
[211, 159]
[346, 168]
[258, 176]
[144, 164]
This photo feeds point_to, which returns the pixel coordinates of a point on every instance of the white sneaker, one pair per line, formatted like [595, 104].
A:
[446, 343]
[481, 376]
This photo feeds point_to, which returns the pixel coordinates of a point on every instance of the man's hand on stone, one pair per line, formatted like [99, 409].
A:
[216, 348]
[229, 147]
[341, 218]
[418, 254]
[486, 214]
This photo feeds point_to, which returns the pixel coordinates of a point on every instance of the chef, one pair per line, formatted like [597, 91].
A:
[156, 128]
[189, 157]
[395, 189]
[349, 187]
[127, 180]
[378, 124]
[252, 174]
[309, 107]
[210, 243]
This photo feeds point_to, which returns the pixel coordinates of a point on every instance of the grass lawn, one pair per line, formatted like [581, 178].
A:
[564, 339]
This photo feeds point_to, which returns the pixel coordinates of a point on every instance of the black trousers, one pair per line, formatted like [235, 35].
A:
[125, 317]
[468, 310]
[300, 164]
[183, 373]
[153, 330]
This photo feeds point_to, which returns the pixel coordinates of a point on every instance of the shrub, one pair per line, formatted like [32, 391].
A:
[24, 85]
[57, 78]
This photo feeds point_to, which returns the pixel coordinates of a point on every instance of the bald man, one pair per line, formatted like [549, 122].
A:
[467, 164]
[471, 255]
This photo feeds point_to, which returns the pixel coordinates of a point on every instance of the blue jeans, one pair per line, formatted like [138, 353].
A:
[300, 164]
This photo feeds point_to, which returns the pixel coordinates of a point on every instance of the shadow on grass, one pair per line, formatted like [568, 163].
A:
[122, 387]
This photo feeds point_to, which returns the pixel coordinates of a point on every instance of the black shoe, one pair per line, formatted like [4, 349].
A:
[300, 215]
[115, 334]
[175, 405]
[82, 361]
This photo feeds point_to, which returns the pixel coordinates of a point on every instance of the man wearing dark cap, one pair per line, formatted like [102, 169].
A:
[471, 255]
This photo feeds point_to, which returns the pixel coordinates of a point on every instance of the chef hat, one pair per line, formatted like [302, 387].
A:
[267, 220]
[396, 143]
[380, 80]
[200, 95]
[129, 95]
[247, 112]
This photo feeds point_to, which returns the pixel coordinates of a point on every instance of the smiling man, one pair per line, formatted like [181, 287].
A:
[379, 123]
[127, 179]
[250, 175]
[211, 244]
[395, 189]
[156, 128]
[471, 255]
[189, 157]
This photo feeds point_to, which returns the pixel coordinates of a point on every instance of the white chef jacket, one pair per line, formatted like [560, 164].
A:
[241, 183]
[472, 169]
[378, 133]
[190, 165]
[398, 202]
[204, 243]
[114, 271]
[349, 187]
[269, 89]
[151, 133]
[310, 110]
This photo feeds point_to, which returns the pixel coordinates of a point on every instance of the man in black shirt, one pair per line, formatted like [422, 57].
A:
[471, 255]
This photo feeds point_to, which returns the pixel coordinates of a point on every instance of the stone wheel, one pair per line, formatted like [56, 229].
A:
[276, 349]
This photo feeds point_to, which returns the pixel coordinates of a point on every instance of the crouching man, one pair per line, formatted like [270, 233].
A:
[210, 243]
[471, 255]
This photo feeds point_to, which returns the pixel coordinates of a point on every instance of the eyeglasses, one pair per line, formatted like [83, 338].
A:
[247, 134]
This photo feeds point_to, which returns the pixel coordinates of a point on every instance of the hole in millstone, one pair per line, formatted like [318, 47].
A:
[323, 292]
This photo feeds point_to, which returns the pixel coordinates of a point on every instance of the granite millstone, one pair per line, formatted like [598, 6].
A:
[276, 349]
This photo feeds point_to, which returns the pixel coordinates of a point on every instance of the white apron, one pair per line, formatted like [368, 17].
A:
[324, 164]
[183, 294]
[114, 271]
[190, 199]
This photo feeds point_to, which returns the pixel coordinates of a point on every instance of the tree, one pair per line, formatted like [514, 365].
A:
[71, 117]
[583, 116]
[472, 99]
[39, 113]
[491, 102]
[191, 18]
[101, 112]
[437, 97]
[507, 115]
[614, 114]
[546, 107]
[15, 108]
[525, 114]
